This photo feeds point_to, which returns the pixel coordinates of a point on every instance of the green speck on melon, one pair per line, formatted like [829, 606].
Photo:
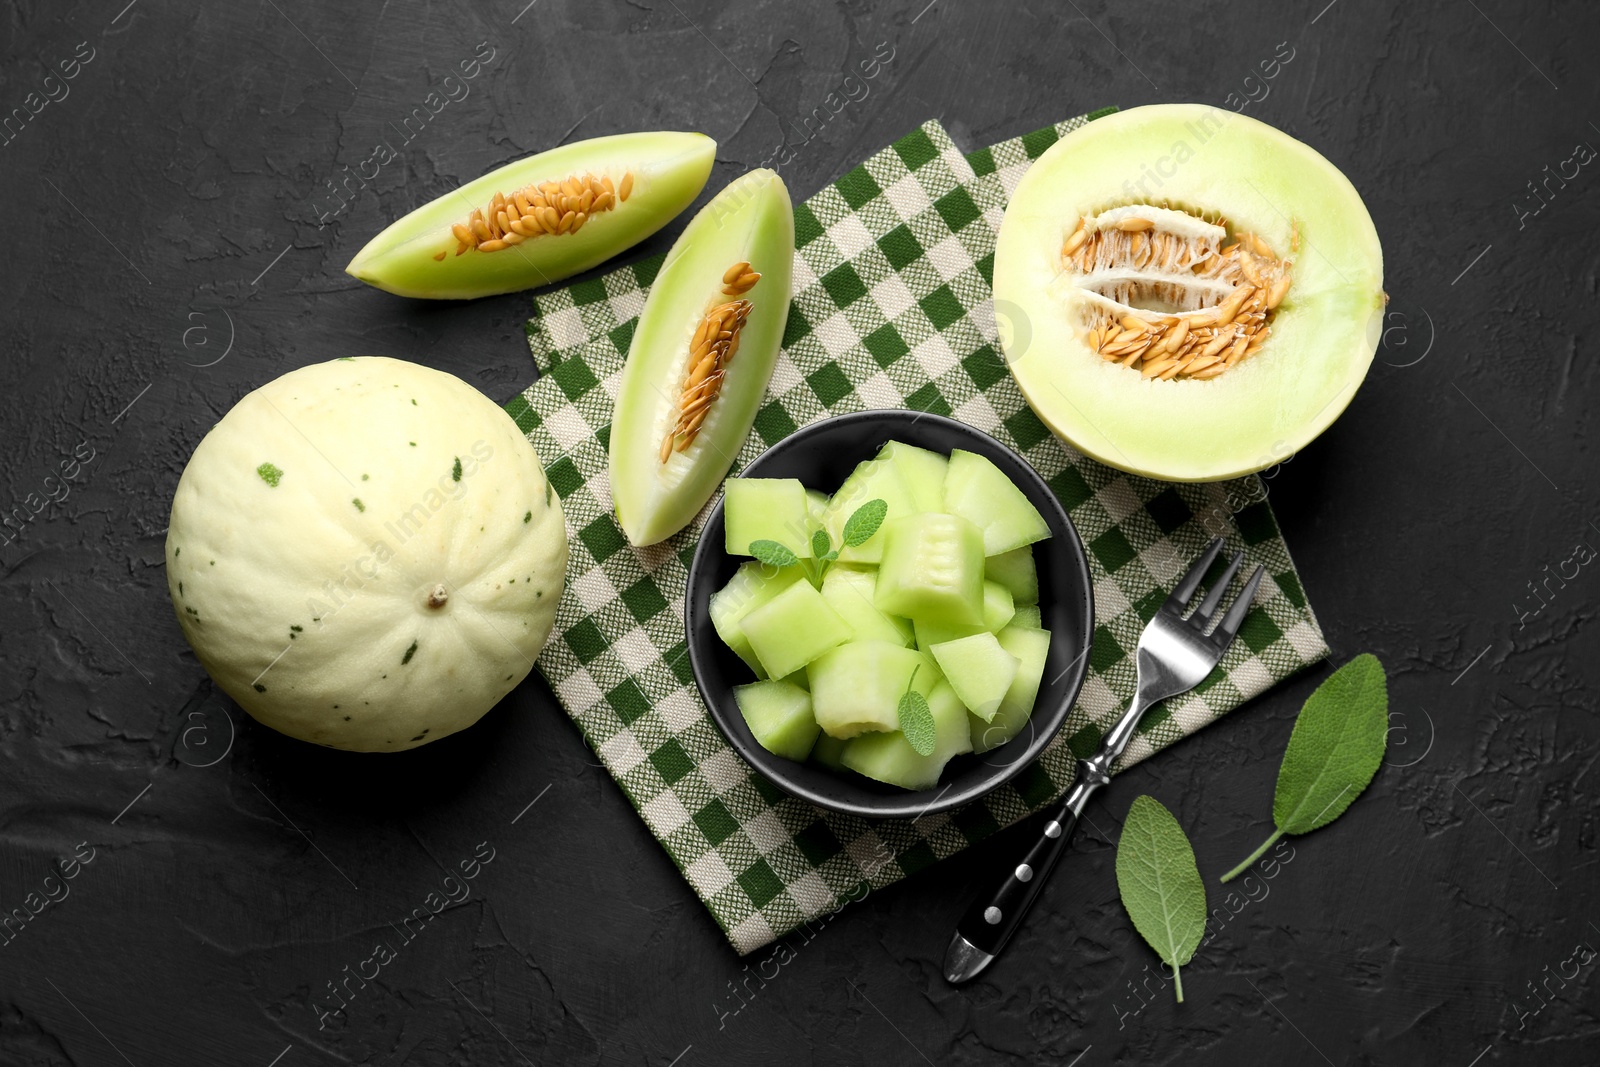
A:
[270, 474]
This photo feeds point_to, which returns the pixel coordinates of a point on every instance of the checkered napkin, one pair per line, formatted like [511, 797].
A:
[891, 310]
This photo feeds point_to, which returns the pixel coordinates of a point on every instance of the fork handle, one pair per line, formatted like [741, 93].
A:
[995, 916]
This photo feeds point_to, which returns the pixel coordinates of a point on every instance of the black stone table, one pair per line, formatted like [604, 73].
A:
[174, 240]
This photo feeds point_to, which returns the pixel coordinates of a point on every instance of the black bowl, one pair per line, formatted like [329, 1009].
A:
[821, 456]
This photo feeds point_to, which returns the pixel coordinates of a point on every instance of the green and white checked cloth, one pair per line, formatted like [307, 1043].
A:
[891, 309]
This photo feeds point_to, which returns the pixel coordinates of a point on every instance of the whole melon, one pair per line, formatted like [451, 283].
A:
[366, 554]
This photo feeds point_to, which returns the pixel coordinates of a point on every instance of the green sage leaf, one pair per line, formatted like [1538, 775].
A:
[1335, 749]
[1160, 884]
[820, 544]
[773, 554]
[864, 522]
[916, 722]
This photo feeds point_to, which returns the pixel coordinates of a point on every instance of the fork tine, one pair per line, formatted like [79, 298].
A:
[1185, 589]
[1208, 606]
[1229, 626]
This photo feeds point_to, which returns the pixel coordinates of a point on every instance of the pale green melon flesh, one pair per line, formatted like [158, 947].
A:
[669, 170]
[766, 509]
[850, 592]
[1016, 571]
[873, 479]
[792, 629]
[751, 220]
[1262, 181]
[998, 612]
[889, 757]
[779, 715]
[828, 751]
[981, 493]
[923, 471]
[932, 569]
[1027, 617]
[856, 687]
[751, 586]
[1030, 647]
[979, 669]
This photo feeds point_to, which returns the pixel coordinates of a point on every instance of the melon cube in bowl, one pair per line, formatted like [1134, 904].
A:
[932, 570]
[979, 669]
[857, 686]
[779, 716]
[792, 629]
[766, 509]
[889, 757]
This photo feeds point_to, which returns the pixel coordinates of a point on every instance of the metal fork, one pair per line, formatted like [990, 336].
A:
[1175, 654]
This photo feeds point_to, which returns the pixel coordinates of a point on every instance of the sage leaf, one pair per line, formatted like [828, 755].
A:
[820, 544]
[1334, 750]
[1160, 884]
[864, 522]
[916, 722]
[773, 554]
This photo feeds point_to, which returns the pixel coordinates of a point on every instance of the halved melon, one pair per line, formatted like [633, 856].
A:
[540, 219]
[702, 355]
[1202, 293]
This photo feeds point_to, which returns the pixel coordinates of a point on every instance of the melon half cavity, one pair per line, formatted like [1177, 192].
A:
[1190, 294]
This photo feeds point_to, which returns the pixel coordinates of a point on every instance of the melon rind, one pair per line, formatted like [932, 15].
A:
[1261, 180]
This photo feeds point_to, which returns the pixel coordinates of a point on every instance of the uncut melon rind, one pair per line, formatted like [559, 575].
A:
[1261, 180]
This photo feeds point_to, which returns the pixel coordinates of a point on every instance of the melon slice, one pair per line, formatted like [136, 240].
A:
[1031, 648]
[1017, 572]
[1203, 293]
[889, 757]
[981, 493]
[685, 403]
[766, 509]
[751, 586]
[922, 470]
[979, 669]
[585, 202]
[829, 751]
[779, 715]
[792, 629]
[849, 591]
[856, 687]
[1028, 617]
[932, 569]
[998, 612]
[873, 479]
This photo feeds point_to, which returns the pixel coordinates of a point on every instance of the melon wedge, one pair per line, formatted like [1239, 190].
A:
[889, 757]
[668, 456]
[1123, 218]
[421, 255]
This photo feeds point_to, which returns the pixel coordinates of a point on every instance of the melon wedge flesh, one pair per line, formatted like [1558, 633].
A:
[979, 669]
[750, 222]
[873, 479]
[889, 757]
[1027, 617]
[1017, 572]
[766, 509]
[1031, 648]
[850, 592]
[1262, 182]
[779, 715]
[856, 687]
[981, 493]
[667, 169]
[923, 472]
[998, 612]
[932, 569]
[751, 586]
[792, 629]
[828, 751]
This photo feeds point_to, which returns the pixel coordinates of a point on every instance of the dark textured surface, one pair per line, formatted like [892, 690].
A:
[166, 257]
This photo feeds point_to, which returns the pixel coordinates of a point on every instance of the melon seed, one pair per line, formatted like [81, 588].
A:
[543, 209]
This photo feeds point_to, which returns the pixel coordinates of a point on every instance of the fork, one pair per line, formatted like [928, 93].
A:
[1175, 654]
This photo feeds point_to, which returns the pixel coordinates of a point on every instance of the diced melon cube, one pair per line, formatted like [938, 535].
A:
[766, 509]
[1016, 571]
[979, 669]
[889, 757]
[793, 628]
[998, 607]
[922, 470]
[751, 586]
[816, 505]
[828, 750]
[856, 687]
[932, 570]
[779, 715]
[1031, 647]
[1028, 617]
[980, 492]
[850, 592]
[873, 479]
